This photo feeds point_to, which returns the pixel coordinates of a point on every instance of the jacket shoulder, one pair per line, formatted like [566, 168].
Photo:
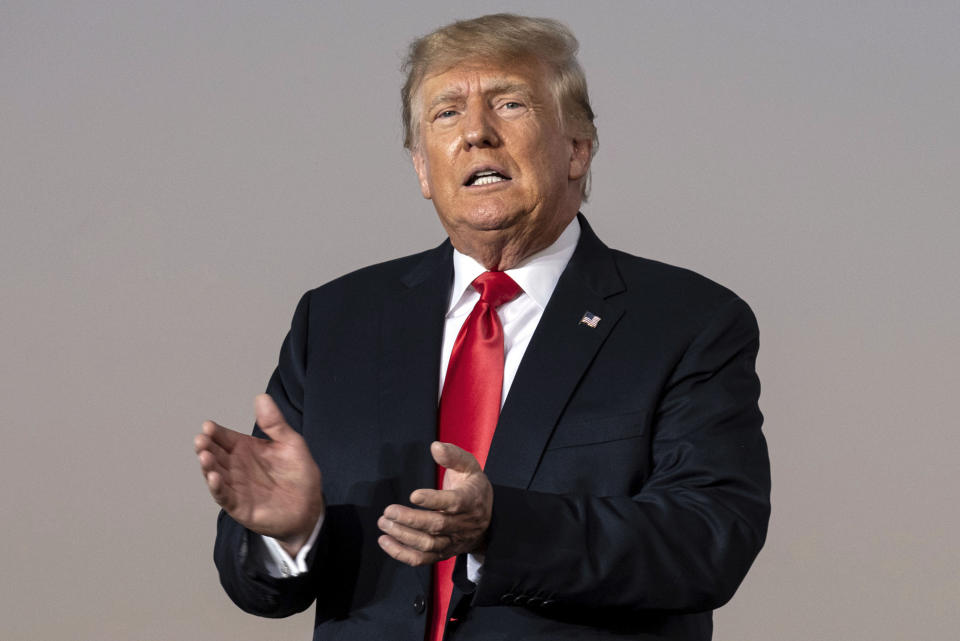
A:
[370, 283]
[662, 280]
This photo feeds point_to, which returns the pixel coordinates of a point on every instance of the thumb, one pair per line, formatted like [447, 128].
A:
[451, 457]
[270, 418]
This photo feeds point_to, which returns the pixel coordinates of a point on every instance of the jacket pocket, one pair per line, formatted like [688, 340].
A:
[590, 431]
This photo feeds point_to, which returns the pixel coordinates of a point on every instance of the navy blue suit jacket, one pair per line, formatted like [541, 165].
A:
[631, 479]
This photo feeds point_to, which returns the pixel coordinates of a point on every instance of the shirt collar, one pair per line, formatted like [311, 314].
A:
[537, 274]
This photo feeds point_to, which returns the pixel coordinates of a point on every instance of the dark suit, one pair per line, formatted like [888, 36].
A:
[631, 480]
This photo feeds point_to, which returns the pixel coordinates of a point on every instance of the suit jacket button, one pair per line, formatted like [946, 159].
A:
[419, 604]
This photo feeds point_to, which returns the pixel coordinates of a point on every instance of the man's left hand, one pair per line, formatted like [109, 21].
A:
[450, 521]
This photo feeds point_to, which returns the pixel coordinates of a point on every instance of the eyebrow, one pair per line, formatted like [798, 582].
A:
[495, 88]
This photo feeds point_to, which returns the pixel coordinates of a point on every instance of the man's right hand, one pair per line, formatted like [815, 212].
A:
[270, 487]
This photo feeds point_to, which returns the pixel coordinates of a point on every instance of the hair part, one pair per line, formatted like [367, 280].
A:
[504, 38]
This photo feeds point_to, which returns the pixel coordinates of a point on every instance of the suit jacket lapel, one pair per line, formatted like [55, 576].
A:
[411, 335]
[412, 331]
[559, 354]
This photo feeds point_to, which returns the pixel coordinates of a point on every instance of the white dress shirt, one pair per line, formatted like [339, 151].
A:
[537, 276]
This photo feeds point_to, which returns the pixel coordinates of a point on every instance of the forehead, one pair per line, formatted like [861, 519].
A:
[473, 76]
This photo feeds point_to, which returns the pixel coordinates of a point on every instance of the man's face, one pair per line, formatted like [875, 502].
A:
[493, 157]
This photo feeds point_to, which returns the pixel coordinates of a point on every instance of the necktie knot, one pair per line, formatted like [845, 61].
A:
[496, 288]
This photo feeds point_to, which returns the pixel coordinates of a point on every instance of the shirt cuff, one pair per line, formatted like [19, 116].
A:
[474, 568]
[281, 565]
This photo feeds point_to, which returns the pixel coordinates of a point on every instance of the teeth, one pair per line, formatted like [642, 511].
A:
[488, 179]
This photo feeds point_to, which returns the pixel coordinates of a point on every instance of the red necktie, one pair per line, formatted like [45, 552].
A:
[470, 402]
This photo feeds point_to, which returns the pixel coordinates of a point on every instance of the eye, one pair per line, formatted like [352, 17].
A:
[446, 113]
[512, 108]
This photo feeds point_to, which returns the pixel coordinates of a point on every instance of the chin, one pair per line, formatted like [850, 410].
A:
[491, 218]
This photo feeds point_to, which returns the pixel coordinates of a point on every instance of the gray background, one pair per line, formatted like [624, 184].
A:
[173, 175]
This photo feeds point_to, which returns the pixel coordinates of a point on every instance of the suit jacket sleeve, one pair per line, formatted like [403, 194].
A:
[685, 539]
[246, 582]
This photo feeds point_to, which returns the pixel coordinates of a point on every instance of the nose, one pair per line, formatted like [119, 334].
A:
[479, 129]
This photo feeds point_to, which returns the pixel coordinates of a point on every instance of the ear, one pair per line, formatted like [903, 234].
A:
[420, 165]
[580, 155]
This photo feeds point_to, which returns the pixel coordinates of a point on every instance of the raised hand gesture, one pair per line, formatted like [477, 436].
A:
[272, 487]
[446, 522]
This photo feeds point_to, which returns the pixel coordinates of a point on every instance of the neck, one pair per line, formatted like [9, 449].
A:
[503, 249]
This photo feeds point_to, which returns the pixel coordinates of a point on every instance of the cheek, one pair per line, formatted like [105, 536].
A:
[452, 147]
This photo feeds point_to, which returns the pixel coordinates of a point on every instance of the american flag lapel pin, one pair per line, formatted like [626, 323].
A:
[590, 320]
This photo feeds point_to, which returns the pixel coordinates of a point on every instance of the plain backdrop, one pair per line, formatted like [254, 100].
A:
[173, 175]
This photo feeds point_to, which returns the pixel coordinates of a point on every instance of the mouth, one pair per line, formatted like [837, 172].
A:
[485, 177]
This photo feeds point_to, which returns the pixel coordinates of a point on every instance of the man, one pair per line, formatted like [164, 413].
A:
[623, 489]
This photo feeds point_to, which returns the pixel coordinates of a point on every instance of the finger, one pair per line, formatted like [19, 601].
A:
[202, 442]
[210, 463]
[219, 490]
[423, 520]
[222, 436]
[451, 457]
[402, 553]
[449, 501]
[270, 419]
[411, 538]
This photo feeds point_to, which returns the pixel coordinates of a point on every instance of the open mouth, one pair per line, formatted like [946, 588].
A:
[485, 177]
